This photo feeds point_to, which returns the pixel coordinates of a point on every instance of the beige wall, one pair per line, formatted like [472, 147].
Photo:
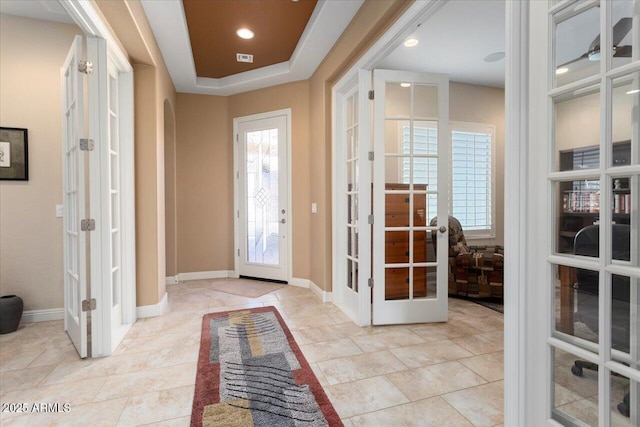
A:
[204, 171]
[31, 55]
[204, 154]
[485, 105]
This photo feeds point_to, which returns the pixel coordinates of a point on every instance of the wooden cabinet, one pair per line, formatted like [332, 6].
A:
[397, 214]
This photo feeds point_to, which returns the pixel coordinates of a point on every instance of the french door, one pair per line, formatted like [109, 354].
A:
[98, 197]
[262, 201]
[410, 196]
[584, 112]
[73, 199]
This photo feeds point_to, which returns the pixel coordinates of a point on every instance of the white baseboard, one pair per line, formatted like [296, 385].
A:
[171, 280]
[203, 275]
[152, 310]
[323, 295]
[42, 315]
[301, 283]
[306, 283]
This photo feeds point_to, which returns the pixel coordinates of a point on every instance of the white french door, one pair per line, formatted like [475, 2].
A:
[584, 112]
[98, 197]
[410, 189]
[73, 196]
[262, 200]
[111, 201]
[352, 199]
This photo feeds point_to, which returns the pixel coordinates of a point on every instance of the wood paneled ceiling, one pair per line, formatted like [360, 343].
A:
[212, 25]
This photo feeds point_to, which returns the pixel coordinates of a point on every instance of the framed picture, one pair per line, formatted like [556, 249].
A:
[14, 159]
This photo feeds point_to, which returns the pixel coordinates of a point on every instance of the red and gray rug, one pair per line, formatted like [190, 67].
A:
[251, 372]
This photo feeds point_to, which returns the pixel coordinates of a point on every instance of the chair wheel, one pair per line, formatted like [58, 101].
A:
[623, 408]
[576, 370]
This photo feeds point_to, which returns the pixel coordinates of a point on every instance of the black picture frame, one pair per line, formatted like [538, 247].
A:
[14, 154]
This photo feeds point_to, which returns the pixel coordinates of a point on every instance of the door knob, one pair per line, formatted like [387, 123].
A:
[442, 229]
[283, 220]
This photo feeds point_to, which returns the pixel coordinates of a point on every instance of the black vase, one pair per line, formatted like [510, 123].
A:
[10, 313]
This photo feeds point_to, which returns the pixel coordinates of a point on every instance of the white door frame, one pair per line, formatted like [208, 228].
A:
[519, 272]
[104, 339]
[236, 188]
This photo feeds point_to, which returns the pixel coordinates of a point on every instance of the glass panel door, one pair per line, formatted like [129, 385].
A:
[410, 204]
[594, 183]
[263, 201]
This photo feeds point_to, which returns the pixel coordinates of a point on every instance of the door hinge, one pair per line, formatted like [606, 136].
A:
[238, 252]
[89, 304]
[238, 214]
[370, 219]
[371, 94]
[370, 282]
[237, 175]
[371, 156]
[87, 144]
[237, 138]
[85, 67]
[87, 225]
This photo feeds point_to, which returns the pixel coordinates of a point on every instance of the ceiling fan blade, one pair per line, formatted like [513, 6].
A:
[623, 52]
[585, 56]
[621, 29]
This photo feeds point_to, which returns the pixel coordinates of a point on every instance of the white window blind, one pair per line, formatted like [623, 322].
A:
[471, 180]
[471, 177]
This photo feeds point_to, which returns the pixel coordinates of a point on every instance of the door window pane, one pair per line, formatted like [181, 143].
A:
[577, 45]
[625, 120]
[623, 12]
[575, 397]
[578, 206]
[577, 130]
[398, 100]
[576, 305]
[621, 406]
[262, 197]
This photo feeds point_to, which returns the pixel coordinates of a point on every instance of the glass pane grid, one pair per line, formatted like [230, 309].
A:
[262, 197]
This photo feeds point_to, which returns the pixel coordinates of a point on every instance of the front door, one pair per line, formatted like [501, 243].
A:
[410, 175]
[583, 296]
[262, 200]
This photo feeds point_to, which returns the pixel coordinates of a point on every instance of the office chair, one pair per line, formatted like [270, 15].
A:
[587, 243]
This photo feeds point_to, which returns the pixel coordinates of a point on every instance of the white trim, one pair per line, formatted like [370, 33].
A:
[171, 280]
[46, 315]
[153, 310]
[168, 22]
[516, 182]
[203, 275]
[322, 294]
[300, 283]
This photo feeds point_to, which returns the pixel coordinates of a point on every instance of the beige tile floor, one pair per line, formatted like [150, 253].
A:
[448, 374]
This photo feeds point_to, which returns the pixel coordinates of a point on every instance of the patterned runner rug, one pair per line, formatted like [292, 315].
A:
[251, 372]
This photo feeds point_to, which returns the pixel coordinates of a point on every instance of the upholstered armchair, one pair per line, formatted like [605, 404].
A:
[474, 271]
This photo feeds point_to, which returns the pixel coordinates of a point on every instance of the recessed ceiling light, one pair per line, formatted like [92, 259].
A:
[634, 91]
[562, 70]
[411, 42]
[405, 84]
[245, 33]
[494, 57]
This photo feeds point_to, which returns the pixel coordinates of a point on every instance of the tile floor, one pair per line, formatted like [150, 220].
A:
[446, 374]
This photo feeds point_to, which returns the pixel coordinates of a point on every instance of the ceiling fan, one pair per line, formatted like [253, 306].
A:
[620, 30]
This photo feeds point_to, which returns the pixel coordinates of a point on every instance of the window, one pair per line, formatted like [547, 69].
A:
[471, 179]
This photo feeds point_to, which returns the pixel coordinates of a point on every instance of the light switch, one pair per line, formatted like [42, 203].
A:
[314, 208]
[59, 211]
